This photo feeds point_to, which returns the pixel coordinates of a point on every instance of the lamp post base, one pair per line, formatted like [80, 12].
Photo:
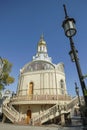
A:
[84, 115]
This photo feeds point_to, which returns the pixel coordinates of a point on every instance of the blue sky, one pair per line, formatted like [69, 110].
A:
[23, 21]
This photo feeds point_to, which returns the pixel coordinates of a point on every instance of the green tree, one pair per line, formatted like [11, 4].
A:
[5, 78]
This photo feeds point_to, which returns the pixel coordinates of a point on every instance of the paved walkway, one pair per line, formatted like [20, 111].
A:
[76, 125]
[5, 126]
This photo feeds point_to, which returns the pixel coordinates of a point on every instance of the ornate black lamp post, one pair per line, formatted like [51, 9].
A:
[70, 31]
[80, 109]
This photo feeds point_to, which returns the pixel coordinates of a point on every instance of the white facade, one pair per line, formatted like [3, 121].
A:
[51, 81]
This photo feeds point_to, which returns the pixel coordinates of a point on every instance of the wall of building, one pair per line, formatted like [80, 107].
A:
[47, 82]
[35, 110]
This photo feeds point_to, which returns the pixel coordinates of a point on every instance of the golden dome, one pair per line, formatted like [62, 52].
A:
[42, 42]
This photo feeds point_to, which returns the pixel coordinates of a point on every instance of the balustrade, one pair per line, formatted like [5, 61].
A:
[50, 113]
[54, 111]
[10, 112]
[41, 98]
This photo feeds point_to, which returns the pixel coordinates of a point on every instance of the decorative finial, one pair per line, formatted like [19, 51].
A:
[66, 16]
[42, 37]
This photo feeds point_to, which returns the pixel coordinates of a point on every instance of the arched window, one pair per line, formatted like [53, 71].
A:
[62, 86]
[31, 86]
[62, 83]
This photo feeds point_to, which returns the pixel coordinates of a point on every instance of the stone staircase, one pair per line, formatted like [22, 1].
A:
[14, 116]
[10, 112]
[54, 112]
[49, 114]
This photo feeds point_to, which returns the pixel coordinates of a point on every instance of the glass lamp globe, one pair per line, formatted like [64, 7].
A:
[69, 27]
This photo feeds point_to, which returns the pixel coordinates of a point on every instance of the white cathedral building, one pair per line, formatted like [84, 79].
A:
[41, 76]
[41, 93]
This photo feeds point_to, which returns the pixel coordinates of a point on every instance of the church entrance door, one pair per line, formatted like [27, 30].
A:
[28, 116]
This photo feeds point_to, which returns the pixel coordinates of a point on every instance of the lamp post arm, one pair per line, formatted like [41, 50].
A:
[85, 76]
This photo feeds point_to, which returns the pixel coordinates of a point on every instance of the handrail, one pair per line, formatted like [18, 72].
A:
[13, 109]
[10, 114]
[53, 110]
[9, 110]
[72, 102]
